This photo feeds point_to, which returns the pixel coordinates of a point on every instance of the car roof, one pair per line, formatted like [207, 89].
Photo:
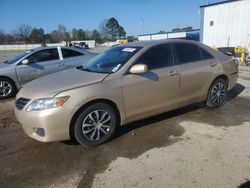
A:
[156, 42]
[63, 47]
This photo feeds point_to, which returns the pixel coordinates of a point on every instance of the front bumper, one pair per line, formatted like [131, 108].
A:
[45, 125]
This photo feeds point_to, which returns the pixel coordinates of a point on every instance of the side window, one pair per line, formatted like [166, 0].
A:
[70, 53]
[44, 55]
[187, 53]
[206, 55]
[156, 57]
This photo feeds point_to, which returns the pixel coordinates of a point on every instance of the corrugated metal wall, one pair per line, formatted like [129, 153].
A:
[162, 36]
[226, 25]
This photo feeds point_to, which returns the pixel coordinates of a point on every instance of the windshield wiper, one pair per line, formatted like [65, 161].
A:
[83, 68]
[89, 70]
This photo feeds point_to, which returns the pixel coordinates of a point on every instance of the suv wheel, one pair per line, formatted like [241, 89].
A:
[7, 88]
[217, 93]
[96, 124]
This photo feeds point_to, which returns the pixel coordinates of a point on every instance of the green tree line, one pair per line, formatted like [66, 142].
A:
[109, 30]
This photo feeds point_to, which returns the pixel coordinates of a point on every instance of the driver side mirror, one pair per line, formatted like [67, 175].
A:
[139, 69]
[25, 62]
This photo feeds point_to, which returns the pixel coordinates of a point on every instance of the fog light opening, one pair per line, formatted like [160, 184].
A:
[40, 132]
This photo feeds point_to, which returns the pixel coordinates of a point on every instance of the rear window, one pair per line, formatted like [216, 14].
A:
[206, 55]
[187, 53]
[70, 53]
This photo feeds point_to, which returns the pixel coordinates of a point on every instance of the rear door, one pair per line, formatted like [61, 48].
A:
[72, 58]
[40, 63]
[196, 70]
[154, 91]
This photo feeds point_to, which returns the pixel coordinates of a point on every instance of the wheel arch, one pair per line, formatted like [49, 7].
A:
[6, 77]
[223, 76]
[76, 114]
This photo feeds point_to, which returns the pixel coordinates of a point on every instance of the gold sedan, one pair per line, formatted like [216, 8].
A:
[123, 84]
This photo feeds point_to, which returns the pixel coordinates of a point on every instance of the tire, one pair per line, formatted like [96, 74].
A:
[217, 93]
[7, 88]
[97, 119]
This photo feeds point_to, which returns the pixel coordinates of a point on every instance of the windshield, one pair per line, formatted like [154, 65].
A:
[111, 60]
[14, 59]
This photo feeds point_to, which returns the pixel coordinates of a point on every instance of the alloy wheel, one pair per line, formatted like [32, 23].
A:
[96, 125]
[218, 93]
[5, 88]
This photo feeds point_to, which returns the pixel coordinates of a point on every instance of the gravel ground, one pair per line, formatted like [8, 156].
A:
[191, 147]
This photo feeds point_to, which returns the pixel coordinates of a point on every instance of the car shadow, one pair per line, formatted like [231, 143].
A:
[245, 185]
[7, 100]
[234, 92]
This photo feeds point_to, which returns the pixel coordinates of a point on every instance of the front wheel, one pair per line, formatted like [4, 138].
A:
[217, 93]
[7, 88]
[96, 124]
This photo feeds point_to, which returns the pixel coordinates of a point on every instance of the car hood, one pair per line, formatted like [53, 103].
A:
[3, 65]
[50, 85]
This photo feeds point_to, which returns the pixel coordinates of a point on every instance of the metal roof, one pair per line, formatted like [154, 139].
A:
[218, 3]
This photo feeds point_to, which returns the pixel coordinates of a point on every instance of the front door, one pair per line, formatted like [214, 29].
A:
[154, 91]
[39, 64]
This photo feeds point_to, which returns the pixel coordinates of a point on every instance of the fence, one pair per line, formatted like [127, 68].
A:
[91, 44]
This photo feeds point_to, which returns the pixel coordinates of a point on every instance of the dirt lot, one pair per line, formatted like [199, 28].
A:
[190, 147]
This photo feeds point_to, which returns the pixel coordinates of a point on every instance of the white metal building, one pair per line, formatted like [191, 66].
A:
[226, 24]
[194, 34]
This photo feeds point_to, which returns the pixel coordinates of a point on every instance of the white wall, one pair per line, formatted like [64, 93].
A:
[231, 24]
[162, 36]
[144, 37]
[159, 36]
[177, 35]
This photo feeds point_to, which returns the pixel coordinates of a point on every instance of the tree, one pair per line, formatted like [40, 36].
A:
[23, 32]
[97, 37]
[74, 34]
[37, 35]
[2, 37]
[61, 29]
[112, 28]
[81, 35]
[176, 30]
[55, 36]
[67, 37]
[121, 32]
[189, 28]
[161, 32]
[103, 30]
[88, 34]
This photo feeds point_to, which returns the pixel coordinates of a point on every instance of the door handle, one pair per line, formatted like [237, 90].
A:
[213, 64]
[173, 73]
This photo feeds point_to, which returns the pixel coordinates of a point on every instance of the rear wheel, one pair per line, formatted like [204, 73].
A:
[7, 88]
[217, 93]
[96, 124]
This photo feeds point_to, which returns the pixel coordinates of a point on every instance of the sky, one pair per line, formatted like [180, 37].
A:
[87, 14]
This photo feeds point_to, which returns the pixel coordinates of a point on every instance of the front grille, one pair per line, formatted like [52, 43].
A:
[21, 102]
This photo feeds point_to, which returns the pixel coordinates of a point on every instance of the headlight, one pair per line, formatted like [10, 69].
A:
[43, 104]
